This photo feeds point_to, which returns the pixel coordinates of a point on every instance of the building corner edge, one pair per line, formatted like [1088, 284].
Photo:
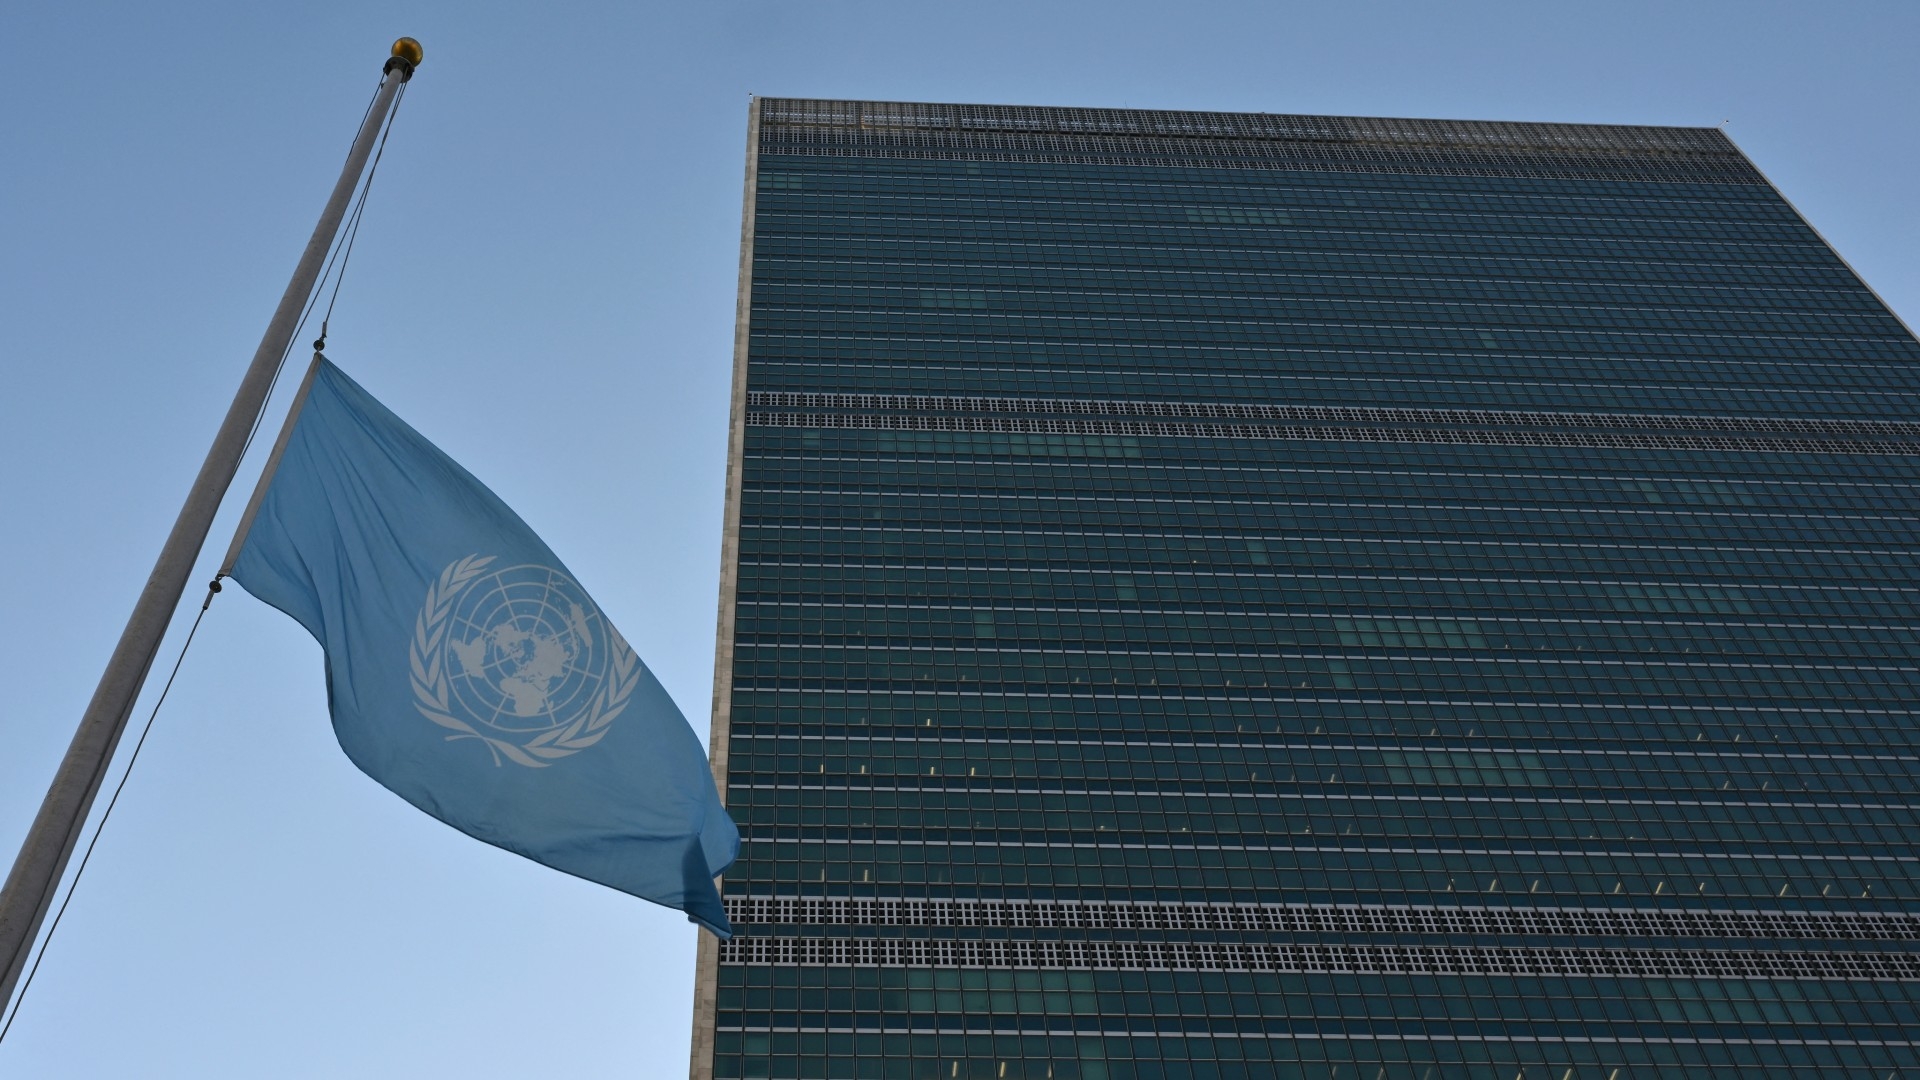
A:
[707, 957]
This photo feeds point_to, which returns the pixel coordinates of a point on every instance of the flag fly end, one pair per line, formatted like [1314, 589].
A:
[447, 622]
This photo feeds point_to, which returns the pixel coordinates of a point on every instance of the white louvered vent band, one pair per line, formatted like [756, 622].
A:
[1453, 436]
[1326, 918]
[1329, 959]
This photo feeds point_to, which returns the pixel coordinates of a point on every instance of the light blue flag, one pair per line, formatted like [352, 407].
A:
[466, 669]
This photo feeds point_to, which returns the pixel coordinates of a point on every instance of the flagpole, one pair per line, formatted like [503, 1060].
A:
[37, 870]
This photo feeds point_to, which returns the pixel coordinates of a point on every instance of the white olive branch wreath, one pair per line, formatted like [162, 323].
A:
[433, 696]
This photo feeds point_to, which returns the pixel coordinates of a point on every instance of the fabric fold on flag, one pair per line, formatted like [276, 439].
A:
[467, 670]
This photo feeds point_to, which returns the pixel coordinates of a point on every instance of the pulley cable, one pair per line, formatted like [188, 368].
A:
[353, 222]
[20, 997]
[341, 241]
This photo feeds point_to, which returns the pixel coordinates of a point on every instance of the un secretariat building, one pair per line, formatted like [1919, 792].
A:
[1218, 597]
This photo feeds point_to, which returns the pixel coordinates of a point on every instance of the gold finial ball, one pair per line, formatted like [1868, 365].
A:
[409, 50]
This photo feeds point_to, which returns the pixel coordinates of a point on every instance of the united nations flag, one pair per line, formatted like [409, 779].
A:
[466, 669]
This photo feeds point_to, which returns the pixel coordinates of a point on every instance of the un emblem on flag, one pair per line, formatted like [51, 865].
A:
[519, 659]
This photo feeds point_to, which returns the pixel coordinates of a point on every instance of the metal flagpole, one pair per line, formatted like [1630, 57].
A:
[43, 857]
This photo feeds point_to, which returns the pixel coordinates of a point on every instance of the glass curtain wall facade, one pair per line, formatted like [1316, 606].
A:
[1220, 596]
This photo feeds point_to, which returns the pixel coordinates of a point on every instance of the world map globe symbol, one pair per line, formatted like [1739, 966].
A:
[526, 650]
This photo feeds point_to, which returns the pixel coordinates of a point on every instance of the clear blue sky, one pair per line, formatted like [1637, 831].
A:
[545, 286]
